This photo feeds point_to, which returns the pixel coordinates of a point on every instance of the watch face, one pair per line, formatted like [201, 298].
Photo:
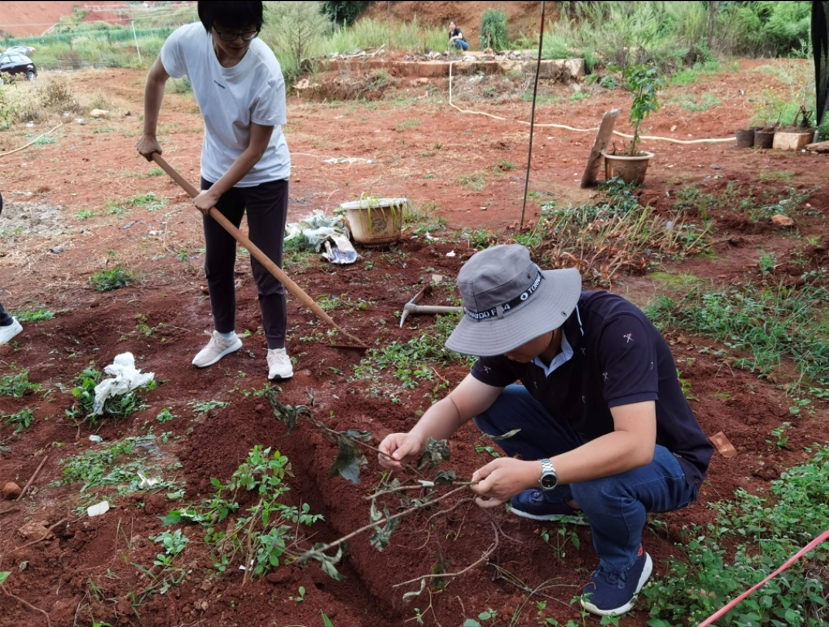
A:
[549, 481]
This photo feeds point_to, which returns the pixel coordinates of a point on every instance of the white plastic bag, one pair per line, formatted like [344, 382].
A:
[127, 378]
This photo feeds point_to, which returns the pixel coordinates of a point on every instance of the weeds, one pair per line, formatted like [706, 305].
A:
[109, 280]
[475, 181]
[119, 406]
[17, 384]
[204, 407]
[21, 420]
[257, 536]
[35, 315]
[774, 324]
[764, 532]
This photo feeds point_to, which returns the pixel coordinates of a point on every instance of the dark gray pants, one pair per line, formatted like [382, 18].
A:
[5, 318]
[267, 209]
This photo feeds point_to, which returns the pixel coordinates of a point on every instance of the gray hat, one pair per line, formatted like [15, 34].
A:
[508, 301]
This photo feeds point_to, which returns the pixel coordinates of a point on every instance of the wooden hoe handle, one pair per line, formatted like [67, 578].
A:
[261, 257]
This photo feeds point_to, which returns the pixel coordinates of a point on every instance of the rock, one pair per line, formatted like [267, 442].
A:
[99, 113]
[781, 220]
[33, 530]
[11, 491]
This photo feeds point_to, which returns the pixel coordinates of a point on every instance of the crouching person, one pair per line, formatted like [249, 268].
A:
[604, 432]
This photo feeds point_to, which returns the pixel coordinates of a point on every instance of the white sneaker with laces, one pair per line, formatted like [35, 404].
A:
[9, 331]
[216, 348]
[279, 364]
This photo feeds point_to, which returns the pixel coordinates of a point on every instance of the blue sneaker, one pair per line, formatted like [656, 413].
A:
[615, 593]
[552, 505]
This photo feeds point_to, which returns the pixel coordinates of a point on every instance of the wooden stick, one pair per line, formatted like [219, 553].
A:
[261, 257]
[27, 604]
[26, 487]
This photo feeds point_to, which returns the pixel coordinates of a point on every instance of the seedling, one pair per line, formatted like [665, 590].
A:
[17, 385]
[21, 420]
[108, 280]
[203, 407]
[165, 415]
[777, 433]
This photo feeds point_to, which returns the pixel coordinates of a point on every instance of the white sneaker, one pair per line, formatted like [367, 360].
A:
[217, 348]
[9, 331]
[279, 364]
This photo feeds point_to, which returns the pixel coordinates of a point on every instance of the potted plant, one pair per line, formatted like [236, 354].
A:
[375, 221]
[631, 163]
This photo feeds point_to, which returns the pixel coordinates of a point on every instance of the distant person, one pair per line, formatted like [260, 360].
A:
[9, 327]
[600, 427]
[456, 39]
[245, 164]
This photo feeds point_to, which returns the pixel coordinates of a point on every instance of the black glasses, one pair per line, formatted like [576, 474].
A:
[248, 36]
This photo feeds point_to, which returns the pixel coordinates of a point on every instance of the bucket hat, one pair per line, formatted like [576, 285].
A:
[508, 301]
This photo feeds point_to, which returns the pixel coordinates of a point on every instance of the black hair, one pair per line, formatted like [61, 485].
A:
[231, 14]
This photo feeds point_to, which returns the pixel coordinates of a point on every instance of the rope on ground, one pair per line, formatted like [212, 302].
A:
[719, 140]
[6, 154]
[728, 607]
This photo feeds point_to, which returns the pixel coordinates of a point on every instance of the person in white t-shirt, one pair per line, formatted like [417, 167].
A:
[245, 163]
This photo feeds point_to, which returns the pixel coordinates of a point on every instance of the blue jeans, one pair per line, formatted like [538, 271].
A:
[460, 44]
[617, 505]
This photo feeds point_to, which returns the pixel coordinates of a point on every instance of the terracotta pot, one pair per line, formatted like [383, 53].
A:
[629, 169]
[792, 140]
[375, 221]
[745, 138]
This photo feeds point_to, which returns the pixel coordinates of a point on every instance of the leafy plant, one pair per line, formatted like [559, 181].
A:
[644, 82]
[17, 384]
[35, 315]
[165, 415]
[21, 420]
[494, 30]
[203, 407]
[261, 534]
[119, 406]
[108, 280]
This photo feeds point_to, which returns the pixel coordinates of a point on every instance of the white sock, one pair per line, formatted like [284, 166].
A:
[226, 336]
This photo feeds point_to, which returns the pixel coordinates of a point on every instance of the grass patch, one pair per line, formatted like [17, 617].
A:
[109, 280]
[476, 181]
[85, 214]
[149, 201]
[767, 529]
[675, 280]
[36, 315]
[773, 324]
[703, 103]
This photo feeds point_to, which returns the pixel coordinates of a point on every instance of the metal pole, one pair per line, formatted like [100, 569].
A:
[138, 50]
[532, 116]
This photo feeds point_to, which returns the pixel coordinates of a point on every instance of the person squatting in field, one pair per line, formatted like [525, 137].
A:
[245, 163]
[602, 431]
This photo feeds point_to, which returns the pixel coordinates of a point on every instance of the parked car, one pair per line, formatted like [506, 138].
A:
[15, 63]
[24, 50]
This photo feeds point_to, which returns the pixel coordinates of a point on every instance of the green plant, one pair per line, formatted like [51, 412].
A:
[149, 200]
[174, 544]
[165, 415]
[644, 82]
[85, 214]
[203, 407]
[21, 420]
[494, 30]
[261, 534]
[108, 280]
[17, 384]
[119, 406]
[559, 540]
[761, 532]
[777, 433]
[36, 315]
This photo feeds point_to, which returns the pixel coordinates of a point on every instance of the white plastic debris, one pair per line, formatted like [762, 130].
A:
[96, 438]
[316, 228]
[98, 509]
[338, 249]
[451, 253]
[146, 484]
[127, 378]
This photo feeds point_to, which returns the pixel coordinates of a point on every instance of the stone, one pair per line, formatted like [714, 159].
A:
[33, 530]
[781, 220]
[11, 491]
[99, 113]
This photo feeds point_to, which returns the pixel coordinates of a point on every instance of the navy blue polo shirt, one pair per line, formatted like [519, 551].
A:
[618, 358]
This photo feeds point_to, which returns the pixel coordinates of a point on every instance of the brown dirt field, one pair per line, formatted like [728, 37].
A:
[412, 144]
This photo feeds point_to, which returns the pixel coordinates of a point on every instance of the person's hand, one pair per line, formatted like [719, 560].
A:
[205, 201]
[397, 449]
[147, 145]
[503, 478]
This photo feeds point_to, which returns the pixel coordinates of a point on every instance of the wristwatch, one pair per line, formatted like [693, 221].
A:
[549, 478]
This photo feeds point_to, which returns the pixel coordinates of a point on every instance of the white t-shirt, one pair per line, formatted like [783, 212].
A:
[230, 99]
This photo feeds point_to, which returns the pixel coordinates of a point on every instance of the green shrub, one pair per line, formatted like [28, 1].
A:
[494, 30]
[295, 31]
[344, 12]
